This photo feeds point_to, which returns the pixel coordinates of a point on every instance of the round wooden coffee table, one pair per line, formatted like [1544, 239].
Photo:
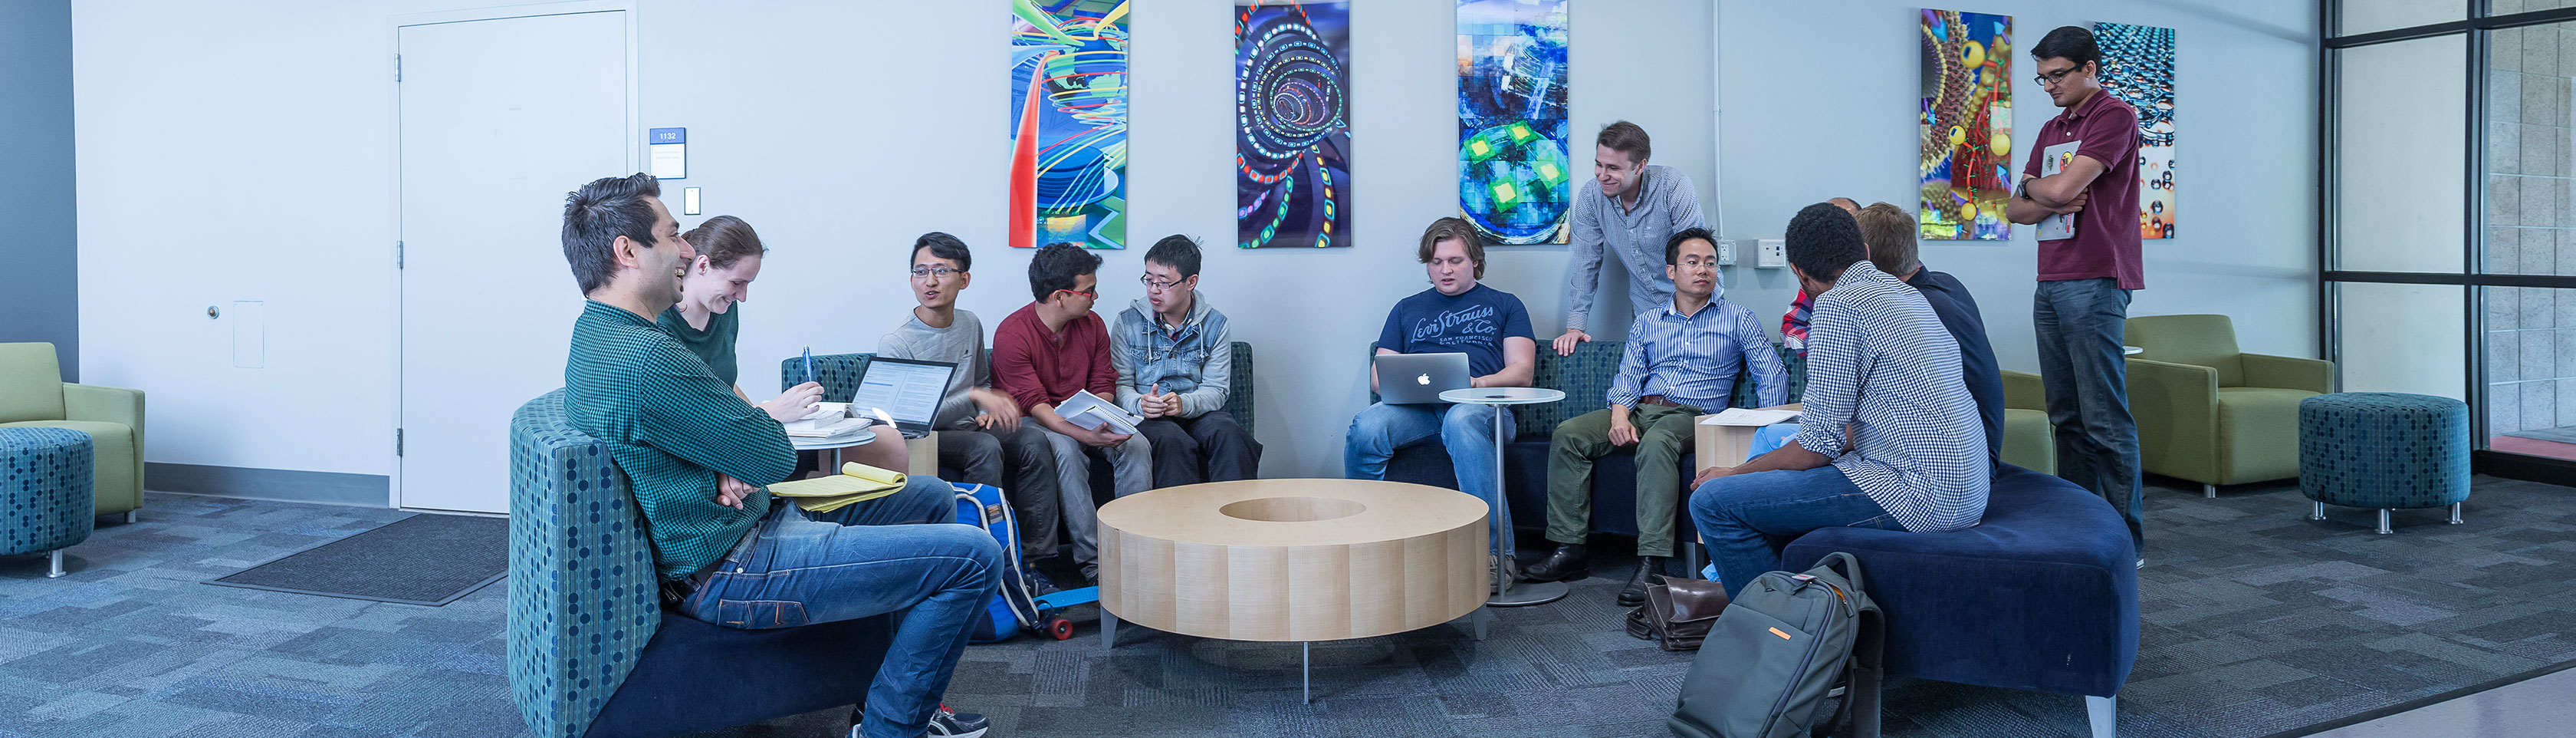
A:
[1291, 559]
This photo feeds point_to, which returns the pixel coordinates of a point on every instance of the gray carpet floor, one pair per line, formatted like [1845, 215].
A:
[2257, 621]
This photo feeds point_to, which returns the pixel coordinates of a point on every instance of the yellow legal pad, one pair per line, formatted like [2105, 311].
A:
[856, 483]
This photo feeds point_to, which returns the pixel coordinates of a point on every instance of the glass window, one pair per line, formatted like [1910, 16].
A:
[2531, 370]
[2365, 16]
[2530, 136]
[2399, 167]
[2403, 338]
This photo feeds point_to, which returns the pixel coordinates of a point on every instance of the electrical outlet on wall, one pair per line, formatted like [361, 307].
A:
[1726, 252]
[1773, 253]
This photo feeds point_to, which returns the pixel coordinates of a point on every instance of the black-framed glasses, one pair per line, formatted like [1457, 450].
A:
[1158, 285]
[935, 272]
[2050, 78]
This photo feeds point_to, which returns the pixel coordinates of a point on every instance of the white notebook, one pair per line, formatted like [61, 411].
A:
[2057, 226]
[1750, 417]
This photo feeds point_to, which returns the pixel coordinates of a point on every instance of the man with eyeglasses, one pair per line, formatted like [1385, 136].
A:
[2081, 308]
[1044, 353]
[1174, 362]
[1682, 359]
[979, 429]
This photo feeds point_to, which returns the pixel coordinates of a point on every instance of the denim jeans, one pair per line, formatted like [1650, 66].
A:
[1466, 430]
[1748, 518]
[867, 559]
[2081, 324]
[1209, 448]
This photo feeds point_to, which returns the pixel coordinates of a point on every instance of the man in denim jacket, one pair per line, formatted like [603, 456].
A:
[1174, 361]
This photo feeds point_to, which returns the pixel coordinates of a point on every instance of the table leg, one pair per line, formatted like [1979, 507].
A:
[1108, 629]
[1308, 682]
[1507, 566]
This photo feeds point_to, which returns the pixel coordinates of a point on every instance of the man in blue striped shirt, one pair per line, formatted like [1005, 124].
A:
[1891, 439]
[1681, 359]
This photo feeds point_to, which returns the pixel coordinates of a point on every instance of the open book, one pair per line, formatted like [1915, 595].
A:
[829, 419]
[1089, 412]
[856, 483]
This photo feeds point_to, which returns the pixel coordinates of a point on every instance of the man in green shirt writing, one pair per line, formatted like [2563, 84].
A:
[699, 459]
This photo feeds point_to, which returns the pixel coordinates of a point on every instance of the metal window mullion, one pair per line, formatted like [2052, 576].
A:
[2473, 247]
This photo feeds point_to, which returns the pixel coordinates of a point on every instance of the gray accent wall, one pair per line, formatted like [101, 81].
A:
[40, 285]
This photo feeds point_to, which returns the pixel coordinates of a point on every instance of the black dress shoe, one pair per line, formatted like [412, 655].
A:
[1566, 562]
[1635, 593]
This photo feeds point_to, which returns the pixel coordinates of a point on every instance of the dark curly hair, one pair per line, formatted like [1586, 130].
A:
[1823, 240]
[1056, 266]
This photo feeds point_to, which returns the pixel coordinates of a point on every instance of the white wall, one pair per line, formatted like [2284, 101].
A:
[245, 154]
[1820, 101]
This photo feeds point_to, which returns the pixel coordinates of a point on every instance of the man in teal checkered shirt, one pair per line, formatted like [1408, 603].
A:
[699, 459]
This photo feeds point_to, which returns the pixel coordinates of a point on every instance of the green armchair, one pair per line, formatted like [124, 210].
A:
[32, 394]
[2210, 414]
[2029, 443]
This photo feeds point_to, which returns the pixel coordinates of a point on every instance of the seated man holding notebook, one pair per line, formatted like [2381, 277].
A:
[698, 459]
[1682, 360]
[1174, 361]
[1052, 353]
[979, 429]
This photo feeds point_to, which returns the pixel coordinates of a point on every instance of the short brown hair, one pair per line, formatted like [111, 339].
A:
[1627, 138]
[725, 239]
[1453, 229]
[1888, 231]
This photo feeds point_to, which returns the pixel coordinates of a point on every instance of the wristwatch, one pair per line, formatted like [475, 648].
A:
[2022, 189]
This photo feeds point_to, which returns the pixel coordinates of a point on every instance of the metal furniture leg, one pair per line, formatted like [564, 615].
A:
[129, 515]
[2104, 712]
[57, 557]
[2455, 513]
[2383, 521]
[2319, 513]
[2209, 490]
[1507, 566]
[1308, 682]
[1108, 630]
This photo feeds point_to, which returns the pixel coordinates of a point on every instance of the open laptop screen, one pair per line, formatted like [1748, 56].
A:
[908, 391]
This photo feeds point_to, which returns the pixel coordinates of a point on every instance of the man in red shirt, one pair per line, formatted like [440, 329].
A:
[1042, 355]
[2081, 308]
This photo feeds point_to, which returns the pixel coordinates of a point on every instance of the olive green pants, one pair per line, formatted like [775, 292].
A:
[1663, 431]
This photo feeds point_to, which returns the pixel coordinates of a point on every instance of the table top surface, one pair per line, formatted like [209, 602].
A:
[1502, 395]
[860, 438]
[1319, 512]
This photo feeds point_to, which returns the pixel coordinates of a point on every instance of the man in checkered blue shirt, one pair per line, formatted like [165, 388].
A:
[1890, 437]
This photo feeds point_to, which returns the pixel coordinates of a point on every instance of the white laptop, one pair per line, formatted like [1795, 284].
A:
[907, 390]
[1410, 379]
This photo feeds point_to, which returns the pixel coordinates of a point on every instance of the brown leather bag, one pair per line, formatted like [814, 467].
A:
[1679, 611]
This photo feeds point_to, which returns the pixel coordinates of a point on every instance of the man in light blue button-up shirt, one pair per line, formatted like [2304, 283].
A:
[1682, 358]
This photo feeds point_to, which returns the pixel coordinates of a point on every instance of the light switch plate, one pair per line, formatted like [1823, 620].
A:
[1773, 253]
[688, 201]
[1726, 252]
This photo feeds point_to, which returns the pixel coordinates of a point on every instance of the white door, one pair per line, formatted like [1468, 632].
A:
[499, 119]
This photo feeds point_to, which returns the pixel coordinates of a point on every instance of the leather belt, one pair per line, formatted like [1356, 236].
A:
[1658, 400]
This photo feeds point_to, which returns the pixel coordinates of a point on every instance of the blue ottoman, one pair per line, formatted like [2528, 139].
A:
[46, 475]
[2042, 595]
[2383, 450]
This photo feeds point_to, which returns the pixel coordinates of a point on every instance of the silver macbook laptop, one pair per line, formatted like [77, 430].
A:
[1406, 379]
[908, 391]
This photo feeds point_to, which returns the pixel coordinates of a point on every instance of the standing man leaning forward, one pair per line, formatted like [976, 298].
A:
[1636, 208]
[699, 460]
[2081, 309]
[1681, 360]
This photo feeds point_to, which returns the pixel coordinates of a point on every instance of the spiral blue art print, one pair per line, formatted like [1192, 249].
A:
[1515, 180]
[1292, 123]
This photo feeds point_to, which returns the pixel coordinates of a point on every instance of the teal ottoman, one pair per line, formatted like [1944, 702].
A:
[46, 477]
[2385, 451]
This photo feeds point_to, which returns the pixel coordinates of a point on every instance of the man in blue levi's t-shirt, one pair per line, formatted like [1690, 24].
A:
[1455, 316]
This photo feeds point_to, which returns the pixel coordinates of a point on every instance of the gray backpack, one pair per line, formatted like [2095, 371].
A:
[1777, 651]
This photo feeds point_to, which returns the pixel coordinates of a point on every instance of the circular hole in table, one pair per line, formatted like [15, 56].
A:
[1292, 509]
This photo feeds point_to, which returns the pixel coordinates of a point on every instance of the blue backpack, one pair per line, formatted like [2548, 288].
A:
[1012, 609]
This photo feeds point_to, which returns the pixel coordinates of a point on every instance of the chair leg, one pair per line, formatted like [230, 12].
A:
[2383, 521]
[2209, 490]
[2103, 711]
[2455, 513]
[2319, 513]
[129, 515]
[57, 557]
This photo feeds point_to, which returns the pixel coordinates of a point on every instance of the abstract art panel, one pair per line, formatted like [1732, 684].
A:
[1069, 123]
[1292, 117]
[1514, 176]
[1967, 125]
[2138, 68]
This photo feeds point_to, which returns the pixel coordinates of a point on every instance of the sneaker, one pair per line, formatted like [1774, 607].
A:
[945, 723]
[1039, 586]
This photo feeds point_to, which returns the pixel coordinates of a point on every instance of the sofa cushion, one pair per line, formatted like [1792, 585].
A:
[2258, 433]
[112, 449]
[31, 382]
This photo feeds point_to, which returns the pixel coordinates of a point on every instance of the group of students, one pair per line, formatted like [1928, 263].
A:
[1899, 431]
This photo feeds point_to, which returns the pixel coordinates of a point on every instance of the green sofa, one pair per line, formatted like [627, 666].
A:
[32, 394]
[2028, 441]
[2211, 414]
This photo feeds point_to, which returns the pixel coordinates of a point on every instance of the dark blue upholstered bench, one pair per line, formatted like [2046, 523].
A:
[2041, 596]
[592, 652]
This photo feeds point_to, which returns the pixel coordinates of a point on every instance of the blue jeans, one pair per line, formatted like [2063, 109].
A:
[1466, 430]
[867, 559]
[2081, 324]
[1748, 518]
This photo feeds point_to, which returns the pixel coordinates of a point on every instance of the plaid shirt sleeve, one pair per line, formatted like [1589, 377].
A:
[1793, 325]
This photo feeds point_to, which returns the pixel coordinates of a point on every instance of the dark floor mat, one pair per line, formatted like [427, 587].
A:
[419, 560]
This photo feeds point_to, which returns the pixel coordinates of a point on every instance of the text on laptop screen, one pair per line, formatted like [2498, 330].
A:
[908, 392]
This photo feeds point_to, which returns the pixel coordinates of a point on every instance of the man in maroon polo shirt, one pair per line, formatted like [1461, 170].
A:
[1044, 353]
[2083, 176]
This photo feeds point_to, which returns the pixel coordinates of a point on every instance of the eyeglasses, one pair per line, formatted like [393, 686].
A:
[935, 272]
[1092, 293]
[2050, 78]
[1158, 285]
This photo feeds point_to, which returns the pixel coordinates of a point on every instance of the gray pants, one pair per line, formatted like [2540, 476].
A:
[1019, 462]
[1132, 464]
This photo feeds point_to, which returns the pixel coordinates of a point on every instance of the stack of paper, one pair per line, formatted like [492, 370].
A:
[856, 483]
[829, 419]
[1748, 417]
[1089, 412]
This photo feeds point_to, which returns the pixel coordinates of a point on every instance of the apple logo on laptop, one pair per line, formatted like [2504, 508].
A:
[1424, 380]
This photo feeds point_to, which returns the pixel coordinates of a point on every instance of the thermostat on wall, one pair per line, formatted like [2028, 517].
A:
[1773, 253]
